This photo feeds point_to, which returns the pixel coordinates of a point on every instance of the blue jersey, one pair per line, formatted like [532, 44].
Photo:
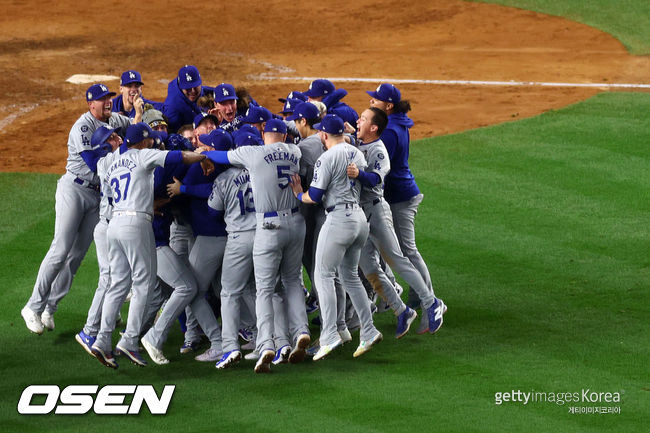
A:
[199, 187]
[399, 183]
[118, 106]
[178, 109]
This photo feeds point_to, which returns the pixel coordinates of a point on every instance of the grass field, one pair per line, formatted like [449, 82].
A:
[627, 20]
[537, 236]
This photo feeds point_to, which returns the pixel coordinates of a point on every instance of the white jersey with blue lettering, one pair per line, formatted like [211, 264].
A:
[232, 193]
[330, 174]
[271, 167]
[311, 148]
[131, 179]
[378, 162]
[106, 194]
[79, 141]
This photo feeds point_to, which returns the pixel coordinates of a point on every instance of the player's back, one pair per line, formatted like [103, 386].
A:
[131, 177]
[330, 174]
[271, 167]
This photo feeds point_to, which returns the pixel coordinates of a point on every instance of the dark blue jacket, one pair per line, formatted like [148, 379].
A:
[178, 109]
[399, 184]
[163, 216]
[199, 187]
[118, 106]
[341, 109]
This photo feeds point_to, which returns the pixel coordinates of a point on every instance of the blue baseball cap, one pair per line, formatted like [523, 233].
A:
[219, 139]
[305, 110]
[138, 132]
[202, 116]
[332, 124]
[386, 92]
[290, 105]
[319, 88]
[100, 135]
[159, 138]
[129, 77]
[294, 95]
[275, 125]
[98, 91]
[188, 77]
[247, 135]
[224, 92]
[256, 114]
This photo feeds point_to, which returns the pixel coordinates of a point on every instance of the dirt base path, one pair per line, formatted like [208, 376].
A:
[253, 43]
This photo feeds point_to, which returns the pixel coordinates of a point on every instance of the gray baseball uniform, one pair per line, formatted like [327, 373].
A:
[131, 243]
[279, 235]
[383, 238]
[76, 208]
[233, 195]
[340, 240]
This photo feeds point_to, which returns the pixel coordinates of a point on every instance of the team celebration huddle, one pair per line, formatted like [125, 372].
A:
[208, 209]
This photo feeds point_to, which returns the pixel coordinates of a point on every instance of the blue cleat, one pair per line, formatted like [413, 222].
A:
[133, 355]
[282, 355]
[404, 321]
[245, 334]
[192, 346]
[228, 359]
[105, 358]
[86, 341]
[435, 313]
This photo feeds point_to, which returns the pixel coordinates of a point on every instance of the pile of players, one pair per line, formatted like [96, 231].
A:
[210, 195]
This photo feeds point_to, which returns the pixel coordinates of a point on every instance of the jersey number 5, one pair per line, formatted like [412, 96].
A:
[116, 185]
[283, 172]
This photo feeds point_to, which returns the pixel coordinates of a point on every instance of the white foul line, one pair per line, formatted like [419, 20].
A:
[464, 82]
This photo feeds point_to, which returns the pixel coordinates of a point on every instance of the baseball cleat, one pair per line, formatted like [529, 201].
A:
[228, 359]
[32, 320]
[245, 334]
[133, 355]
[105, 358]
[86, 341]
[47, 320]
[263, 364]
[366, 345]
[300, 350]
[210, 355]
[253, 356]
[282, 355]
[435, 313]
[192, 346]
[326, 349]
[312, 306]
[404, 321]
[248, 346]
[155, 354]
[345, 335]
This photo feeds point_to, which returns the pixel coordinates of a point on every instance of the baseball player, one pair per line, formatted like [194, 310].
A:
[370, 125]
[256, 116]
[401, 191]
[225, 107]
[279, 237]
[206, 255]
[232, 196]
[86, 337]
[131, 94]
[182, 93]
[324, 91]
[77, 211]
[130, 238]
[342, 236]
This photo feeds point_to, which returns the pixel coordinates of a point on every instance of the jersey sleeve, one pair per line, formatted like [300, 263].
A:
[378, 161]
[151, 158]
[322, 172]
[242, 156]
[80, 137]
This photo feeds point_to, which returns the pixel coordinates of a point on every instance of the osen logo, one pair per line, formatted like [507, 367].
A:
[80, 399]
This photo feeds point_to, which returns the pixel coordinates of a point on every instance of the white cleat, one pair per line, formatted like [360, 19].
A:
[253, 356]
[263, 364]
[345, 335]
[47, 320]
[210, 355]
[325, 350]
[365, 346]
[32, 320]
[155, 354]
[300, 351]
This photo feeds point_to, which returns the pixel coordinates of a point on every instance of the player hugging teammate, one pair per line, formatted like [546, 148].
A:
[212, 207]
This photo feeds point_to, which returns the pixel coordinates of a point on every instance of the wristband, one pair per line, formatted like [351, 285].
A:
[299, 196]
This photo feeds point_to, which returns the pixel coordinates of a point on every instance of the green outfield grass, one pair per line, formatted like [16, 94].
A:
[627, 20]
[537, 237]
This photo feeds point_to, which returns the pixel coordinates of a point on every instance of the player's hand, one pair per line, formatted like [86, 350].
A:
[207, 166]
[216, 113]
[296, 186]
[203, 148]
[174, 189]
[349, 129]
[353, 171]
